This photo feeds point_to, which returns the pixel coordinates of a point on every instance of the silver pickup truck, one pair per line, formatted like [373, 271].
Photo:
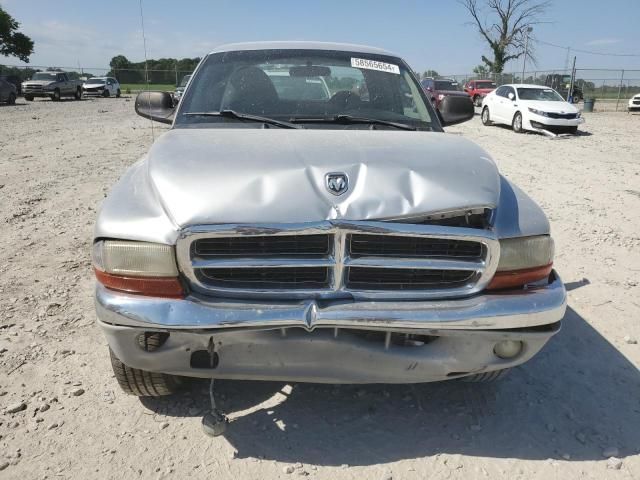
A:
[277, 233]
[54, 85]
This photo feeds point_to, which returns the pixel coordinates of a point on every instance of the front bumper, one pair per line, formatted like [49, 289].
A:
[328, 341]
[536, 122]
[93, 91]
[37, 93]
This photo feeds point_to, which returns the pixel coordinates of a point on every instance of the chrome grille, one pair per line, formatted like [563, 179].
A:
[396, 246]
[262, 246]
[337, 259]
[266, 278]
[361, 278]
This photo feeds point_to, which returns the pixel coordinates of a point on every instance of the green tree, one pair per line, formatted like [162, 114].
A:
[119, 62]
[481, 71]
[505, 25]
[12, 42]
[162, 70]
[430, 73]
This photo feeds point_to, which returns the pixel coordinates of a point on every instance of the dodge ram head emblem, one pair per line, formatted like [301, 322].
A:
[337, 183]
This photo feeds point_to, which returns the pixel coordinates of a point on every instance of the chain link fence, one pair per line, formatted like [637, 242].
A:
[611, 89]
[131, 80]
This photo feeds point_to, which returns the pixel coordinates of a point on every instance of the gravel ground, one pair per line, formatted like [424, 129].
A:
[560, 416]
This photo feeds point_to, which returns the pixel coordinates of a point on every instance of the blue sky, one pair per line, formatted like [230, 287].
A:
[428, 33]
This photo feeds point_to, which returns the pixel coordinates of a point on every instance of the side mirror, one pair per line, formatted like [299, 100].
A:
[511, 96]
[157, 106]
[456, 109]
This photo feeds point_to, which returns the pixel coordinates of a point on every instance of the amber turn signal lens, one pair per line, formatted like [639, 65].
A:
[167, 287]
[518, 278]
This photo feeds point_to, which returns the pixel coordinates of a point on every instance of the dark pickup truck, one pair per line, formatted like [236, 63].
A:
[561, 84]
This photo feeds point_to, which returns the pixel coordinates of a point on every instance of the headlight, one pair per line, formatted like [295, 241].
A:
[523, 260]
[578, 115]
[137, 267]
[135, 258]
[538, 112]
[526, 252]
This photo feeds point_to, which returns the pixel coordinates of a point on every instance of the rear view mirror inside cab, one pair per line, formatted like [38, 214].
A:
[309, 71]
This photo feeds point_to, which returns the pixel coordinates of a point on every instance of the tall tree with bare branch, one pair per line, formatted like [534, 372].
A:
[504, 24]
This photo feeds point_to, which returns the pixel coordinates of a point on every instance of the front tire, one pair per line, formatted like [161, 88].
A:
[486, 118]
[142, 383]
[517, 123]
[12, 99]
[118, 93]
[28, 98]
[56, 95]
[78, 94]
[105, 93]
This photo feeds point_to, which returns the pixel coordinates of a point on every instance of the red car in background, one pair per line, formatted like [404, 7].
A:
[478, 89]
[437, 89]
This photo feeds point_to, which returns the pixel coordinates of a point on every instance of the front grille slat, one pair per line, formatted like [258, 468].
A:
[405, 279]
[263, 246]
[566, 116]
[396, 246]
[267, 278]
[341, 259]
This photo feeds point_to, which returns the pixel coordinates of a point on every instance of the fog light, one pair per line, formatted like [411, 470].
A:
[507, 348]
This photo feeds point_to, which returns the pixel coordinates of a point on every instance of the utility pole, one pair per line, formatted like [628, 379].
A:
[526, 51]
[573, 79]
[620, 89]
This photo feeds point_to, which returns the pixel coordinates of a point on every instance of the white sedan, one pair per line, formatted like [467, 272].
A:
[634, 103]
[530, 107]
[101, 86]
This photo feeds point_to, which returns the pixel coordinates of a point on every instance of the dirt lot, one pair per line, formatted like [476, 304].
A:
[556, 417]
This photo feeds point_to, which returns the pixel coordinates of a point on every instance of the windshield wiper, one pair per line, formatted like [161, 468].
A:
[243, 116]
[350, 120]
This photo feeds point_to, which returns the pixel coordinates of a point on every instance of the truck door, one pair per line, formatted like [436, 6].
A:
[63, 85]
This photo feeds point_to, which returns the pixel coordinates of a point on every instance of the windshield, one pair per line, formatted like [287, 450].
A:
[544, 94]
[184, 81]
[304, 86]
[447, 85]
[485, 84]
[44, 76]
[99, 81]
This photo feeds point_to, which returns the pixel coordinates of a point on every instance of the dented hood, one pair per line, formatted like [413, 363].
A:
[252, 175]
